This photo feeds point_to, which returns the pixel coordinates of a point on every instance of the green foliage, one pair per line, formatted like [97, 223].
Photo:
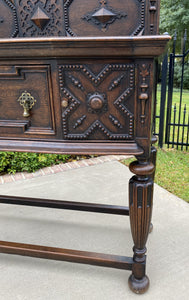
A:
[174, 15]
[178, 73]
[12, 162]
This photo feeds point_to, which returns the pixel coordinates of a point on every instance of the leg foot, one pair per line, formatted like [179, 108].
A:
[138, 286]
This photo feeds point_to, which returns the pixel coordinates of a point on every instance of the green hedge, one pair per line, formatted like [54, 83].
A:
[12, 162]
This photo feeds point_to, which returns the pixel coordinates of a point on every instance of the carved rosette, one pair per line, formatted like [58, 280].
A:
[97, 102]
[92, 110]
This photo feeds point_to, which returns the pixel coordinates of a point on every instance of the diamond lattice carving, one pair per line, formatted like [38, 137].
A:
[40, 18]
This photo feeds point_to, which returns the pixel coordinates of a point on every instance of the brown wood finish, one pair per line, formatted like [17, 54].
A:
[71, 205]
[93, 18]
[140, 211]
[84, 257]
[82, 47]
[153, 157]
[76, 76]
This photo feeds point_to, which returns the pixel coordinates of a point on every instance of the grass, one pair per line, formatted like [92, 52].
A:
[176, 100]
[172, 171]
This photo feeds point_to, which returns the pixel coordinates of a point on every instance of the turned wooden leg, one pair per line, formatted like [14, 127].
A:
[153, 157]
[140, 209]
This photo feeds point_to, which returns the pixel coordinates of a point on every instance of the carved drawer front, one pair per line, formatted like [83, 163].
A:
[97, 101]
[26, 106]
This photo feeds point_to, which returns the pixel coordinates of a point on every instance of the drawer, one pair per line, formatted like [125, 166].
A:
[26, 101]
[97, 100]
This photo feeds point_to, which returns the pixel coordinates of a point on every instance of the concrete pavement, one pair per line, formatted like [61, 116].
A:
[25, 278]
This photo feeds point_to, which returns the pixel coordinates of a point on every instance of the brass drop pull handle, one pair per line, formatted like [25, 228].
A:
[27, 101]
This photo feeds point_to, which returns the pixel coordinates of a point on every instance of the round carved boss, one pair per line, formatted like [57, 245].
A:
[96, 102]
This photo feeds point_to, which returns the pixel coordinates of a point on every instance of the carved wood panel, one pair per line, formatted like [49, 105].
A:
[97, 100]
[40, 17]
[8, 19]
[104, 17]
[26, 106]
[31, 18]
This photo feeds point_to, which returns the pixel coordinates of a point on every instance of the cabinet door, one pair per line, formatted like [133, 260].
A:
[98, 100]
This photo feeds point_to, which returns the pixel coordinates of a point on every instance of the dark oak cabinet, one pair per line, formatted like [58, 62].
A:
[76, 76]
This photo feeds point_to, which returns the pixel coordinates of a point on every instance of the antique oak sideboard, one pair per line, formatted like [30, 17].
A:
[76, 76]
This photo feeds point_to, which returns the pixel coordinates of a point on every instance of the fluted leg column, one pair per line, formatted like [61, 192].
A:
[153, 157]
[140, 210]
